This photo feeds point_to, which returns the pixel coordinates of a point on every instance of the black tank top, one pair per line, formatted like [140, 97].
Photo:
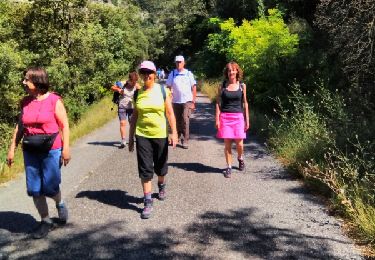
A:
[231, 101]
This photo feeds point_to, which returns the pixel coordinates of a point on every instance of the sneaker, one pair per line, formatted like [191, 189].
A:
[42, 230]
[62, 211]
[228, 172]
[123, 144]
[241, 164]
[185, 145]
[162, 194]
[146, 212]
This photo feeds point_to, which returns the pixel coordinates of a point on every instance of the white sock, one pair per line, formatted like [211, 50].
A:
[47, 219]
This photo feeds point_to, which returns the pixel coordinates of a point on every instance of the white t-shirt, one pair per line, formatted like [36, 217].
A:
[126, 99]
[181, 83]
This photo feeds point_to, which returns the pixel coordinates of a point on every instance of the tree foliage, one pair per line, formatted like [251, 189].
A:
[83, 45]
[350, 27]
[261, 46]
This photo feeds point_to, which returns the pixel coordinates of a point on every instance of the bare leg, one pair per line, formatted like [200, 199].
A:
[40, 203]
[161, 179]
[123, 129]
[147, 186]
[239, 147]
[57, 198]
[228, 151]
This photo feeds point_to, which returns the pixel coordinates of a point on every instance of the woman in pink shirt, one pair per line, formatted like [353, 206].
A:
[42, 113]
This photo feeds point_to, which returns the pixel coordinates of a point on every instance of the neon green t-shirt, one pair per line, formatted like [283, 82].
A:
[151, 122]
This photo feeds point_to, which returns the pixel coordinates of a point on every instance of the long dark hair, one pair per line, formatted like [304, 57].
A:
[39, 77]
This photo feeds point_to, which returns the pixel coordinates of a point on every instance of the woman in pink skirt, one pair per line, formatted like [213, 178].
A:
[232, 114]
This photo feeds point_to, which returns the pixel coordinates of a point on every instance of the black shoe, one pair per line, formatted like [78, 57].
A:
[162, 194]
[42, 230]
[241, 164]
[228, 172]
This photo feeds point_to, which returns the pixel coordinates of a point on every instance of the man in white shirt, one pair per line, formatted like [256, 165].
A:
[183, 85]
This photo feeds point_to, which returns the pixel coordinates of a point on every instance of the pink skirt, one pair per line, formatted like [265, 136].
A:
[232, 126]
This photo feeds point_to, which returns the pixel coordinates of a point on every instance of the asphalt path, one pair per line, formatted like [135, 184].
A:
[263, 213]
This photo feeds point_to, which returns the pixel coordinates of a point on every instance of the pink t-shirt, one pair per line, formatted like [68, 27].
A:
[38, 117]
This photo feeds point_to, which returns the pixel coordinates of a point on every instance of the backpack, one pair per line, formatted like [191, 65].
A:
[187, 74]
[116, 95]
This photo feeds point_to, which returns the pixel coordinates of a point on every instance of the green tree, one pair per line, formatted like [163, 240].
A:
[261, 46]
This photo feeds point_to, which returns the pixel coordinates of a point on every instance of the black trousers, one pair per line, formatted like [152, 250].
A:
[152, 156]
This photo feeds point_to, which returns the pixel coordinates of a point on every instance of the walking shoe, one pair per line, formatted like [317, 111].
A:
[241, 164]
[228, 172]
[162, 194]
[185, 145]
[62, 211]
[123, 144]
[146, 212]
[42, 230]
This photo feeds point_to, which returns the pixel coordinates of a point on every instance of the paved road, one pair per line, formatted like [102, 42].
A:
[261, 214]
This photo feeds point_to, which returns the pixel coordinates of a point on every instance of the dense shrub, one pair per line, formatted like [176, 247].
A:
[261, 46]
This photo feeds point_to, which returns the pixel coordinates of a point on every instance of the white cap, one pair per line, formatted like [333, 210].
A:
[180, 58]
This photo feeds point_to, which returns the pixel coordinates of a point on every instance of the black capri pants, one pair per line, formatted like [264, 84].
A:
[152, 156]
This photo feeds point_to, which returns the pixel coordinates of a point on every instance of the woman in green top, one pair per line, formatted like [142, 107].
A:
[152, 104]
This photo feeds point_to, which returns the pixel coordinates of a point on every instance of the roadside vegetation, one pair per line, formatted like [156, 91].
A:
[309, 67]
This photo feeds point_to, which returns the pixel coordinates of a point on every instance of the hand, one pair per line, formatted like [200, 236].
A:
[65, 156]
[10, 158]
[217, 124]
[131, 144]
[247, 126]
[192, 106]
[173, 140]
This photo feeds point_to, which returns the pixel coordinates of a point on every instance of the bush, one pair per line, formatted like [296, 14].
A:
[300, 133]
[262, 47]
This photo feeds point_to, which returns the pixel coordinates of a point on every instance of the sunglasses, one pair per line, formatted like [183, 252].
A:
[146, 72]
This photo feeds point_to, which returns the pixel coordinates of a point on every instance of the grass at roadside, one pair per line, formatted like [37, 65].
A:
[314, 138]
[96, 115]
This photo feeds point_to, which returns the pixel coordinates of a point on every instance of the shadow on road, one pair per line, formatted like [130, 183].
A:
[196, 167]
[16, 222]
[117, 198]
[112, 143]
[202, 123]
[237, 231]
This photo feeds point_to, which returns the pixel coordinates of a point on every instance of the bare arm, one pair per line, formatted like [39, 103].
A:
[194, 90]
[217, 113]
[17, 136]
[63, 122]
[246, 108]
[133, 122]
[116, 89]
[171, 119]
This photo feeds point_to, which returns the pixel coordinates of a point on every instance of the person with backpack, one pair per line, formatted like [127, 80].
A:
[152, 108]
[232, 114]
[183, 86]
[123, 97]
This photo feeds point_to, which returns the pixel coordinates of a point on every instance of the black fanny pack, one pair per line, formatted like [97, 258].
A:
[38, 143]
